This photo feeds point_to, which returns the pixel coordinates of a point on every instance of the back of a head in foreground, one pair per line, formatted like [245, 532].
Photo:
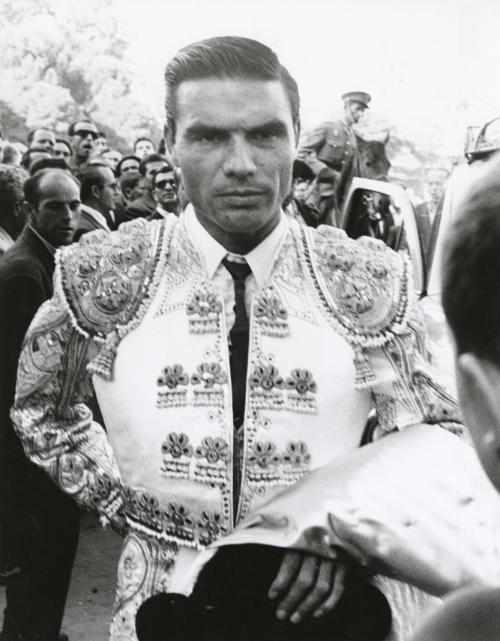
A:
[471, 301]
[226, 57]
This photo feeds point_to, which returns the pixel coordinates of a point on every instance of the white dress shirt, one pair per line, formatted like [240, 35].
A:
[260, 260]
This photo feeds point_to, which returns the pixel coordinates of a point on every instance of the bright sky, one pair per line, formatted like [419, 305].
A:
[425, 62]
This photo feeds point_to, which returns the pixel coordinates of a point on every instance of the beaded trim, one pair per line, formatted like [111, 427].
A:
[383, 278]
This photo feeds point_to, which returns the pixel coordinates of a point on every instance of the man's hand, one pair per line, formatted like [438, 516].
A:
[307, 584]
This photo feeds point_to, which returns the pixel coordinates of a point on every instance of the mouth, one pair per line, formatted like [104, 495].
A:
[241, 193]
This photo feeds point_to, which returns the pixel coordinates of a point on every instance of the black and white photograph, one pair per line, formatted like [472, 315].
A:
[249, 320]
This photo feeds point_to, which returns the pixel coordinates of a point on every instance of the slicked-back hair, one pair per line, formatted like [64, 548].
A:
[151, 158]
[32, 185]
[471, 268]
[89, 176]
[226, 57]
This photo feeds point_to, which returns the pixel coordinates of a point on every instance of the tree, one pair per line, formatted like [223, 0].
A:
[66, 60]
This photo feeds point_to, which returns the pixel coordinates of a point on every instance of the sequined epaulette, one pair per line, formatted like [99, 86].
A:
[107, 281]
[364, 286]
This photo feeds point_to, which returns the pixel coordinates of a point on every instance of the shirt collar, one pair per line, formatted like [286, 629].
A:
[260, 259]
[96, 215]
[50, 247]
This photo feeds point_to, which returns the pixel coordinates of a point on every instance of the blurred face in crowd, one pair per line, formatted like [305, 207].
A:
[43, 138]
[436, 181]
[113, 157]
[143, 148]
[235, 144]
[85, 134]
[131, 193]
[58, 211]
[61, 150]
[300, 189]
[165, 190]
[107, 194]
[129, 166]
[152, 168]
[100, 145]
[354, 112]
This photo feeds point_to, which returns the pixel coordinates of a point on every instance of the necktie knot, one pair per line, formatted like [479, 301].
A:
[238, 270]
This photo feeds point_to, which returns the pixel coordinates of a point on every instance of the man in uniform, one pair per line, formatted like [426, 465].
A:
[232, 350]
[335, 142]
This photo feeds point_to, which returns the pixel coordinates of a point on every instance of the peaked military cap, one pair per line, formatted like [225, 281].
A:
[357, 96]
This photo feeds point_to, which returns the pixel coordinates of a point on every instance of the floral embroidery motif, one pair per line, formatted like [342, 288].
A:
[210, 526]
[302, 381]
[171, 379]
[340, 257]
[210, 376]
[357, 296]
[213, 457]
[203, 310]
[270, 313]
[175, 450]
[266, 377]
[267, 467]
[176, 522]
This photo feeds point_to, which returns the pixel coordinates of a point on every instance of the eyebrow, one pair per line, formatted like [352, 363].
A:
[275, 126]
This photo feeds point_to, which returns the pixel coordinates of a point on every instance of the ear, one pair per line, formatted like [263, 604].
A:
[169, 136]
[126, 192]
[95, 191]
[478, 384]
[296, 131]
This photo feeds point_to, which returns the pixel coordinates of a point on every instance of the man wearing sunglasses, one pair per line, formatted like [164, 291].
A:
[165, 194]
[83, 134]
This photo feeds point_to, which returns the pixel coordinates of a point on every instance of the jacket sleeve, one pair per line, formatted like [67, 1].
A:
[316, 138]
[52, 420]
[408, 390]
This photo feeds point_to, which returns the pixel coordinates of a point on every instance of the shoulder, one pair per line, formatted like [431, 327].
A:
[365, 284]
[104, 276]
[20, 262]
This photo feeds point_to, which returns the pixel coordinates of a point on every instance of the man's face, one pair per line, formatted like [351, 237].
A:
[62, 151]
[100, 145]
[354, 112]
[58, 210]
[435, 185]
[165, 190]
[152, 168]
[143, 148]
[83, 140]
[137, 191]
[108, 194]
[129, 166]
[300, 190]
[235, 144]
[113, 157]
[43, 138]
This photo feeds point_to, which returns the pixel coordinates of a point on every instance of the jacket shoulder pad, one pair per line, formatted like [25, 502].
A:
[365, 285]
[105, 276]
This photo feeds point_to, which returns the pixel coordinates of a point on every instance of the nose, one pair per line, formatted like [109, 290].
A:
[239, 160]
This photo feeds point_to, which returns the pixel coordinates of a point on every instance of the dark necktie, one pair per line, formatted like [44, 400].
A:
[238, 339]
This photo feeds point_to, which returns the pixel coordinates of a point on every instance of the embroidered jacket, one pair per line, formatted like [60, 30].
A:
[334, 334]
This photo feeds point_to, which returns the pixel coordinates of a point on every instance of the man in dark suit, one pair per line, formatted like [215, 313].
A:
[99, 191]
[38, 523]
[145, 206]
[165, 193]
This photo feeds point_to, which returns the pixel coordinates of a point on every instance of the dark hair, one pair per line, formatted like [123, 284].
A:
[25, 160]
[89, 176]
[32, 132]
[65, 142]
[101, 134]
[48, 163]
[138, 140]
[32, 185]
[471, 268]
[11, 188]
[71, 129]
[227, 57]
[131, 180]
[151, 158]
[122, 160]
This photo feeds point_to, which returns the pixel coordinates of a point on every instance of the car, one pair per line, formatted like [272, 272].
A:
[384, 210]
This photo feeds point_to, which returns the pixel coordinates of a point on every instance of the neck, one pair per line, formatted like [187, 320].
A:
[97, 206]
[239, 242]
